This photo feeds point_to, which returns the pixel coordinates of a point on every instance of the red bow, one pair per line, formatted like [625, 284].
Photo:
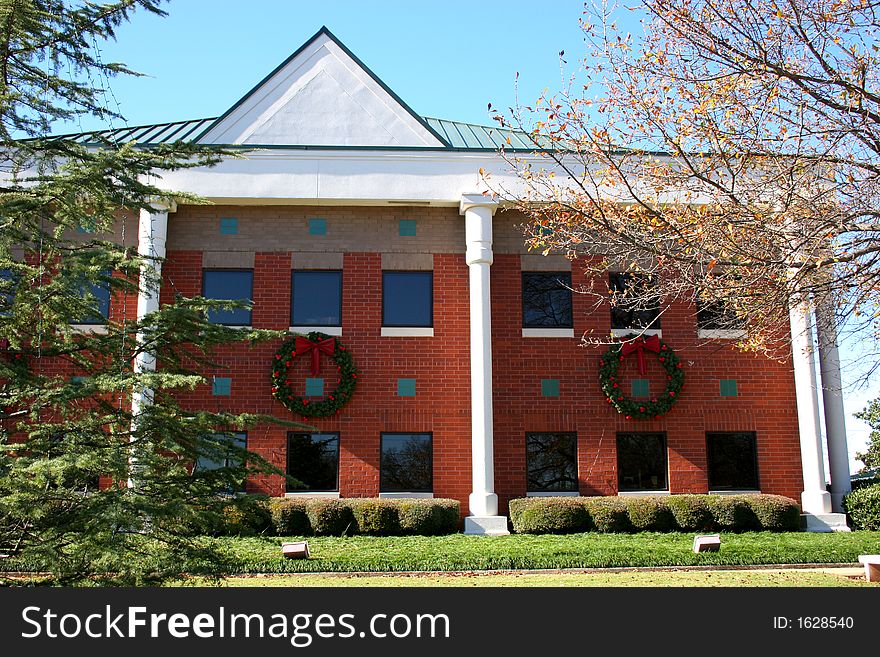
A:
[304, 345]
[639, 345]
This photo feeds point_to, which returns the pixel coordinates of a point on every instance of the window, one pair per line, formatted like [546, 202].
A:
[316, 298]
[641, 462]
[551, 462]
[546, 300]
[313, 462]
[231, 284]
[97, 296]
[223, 450]
[407, 463]
[732, 460]
[717, 316]
[631, 307]
[407, 298]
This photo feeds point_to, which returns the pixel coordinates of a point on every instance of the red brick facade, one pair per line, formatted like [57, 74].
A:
[440, 364]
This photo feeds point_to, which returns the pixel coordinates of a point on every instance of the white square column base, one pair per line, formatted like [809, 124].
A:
[486, 525]
[825, 522]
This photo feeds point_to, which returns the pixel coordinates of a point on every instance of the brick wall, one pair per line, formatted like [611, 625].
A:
[440, 365]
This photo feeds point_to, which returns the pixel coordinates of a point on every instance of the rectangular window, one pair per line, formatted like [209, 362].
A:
[551, 462]
[546, 299]
[316, 298]
[312, 462]
[407, 464]
[224, 450]
[717, 316]
[632, 305]
[232, 284]
[732, 460]
[96, 296]
[641, 462]
[407, 298]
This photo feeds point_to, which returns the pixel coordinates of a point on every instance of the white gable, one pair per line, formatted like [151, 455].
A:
[320, 97]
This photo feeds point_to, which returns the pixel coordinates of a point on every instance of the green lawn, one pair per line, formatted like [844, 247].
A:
[613, 579]
[592, 550]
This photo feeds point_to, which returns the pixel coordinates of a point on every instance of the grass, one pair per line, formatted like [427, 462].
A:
[608, 579]
[590, 550]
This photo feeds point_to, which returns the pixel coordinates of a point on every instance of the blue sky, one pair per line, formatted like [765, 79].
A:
[445, 59]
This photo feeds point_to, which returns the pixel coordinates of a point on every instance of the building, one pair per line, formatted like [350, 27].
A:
[351, 216]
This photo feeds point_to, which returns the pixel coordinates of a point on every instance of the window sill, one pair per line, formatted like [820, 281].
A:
[407, 331]
[404, 496]
[643, 493]
[327, 330]
[314, 495]
[548, 332]
[734, 492]
[619, 333]
[559, 493]
[713, 334]
[95, 329]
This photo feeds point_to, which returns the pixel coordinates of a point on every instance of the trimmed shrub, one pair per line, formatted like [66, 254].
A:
[608, 514]
[330, 517]
[374, 517]
[549, 515]
[649, 514]
[775, 513]
[245, 515]
[428, 517]
[289, 517]
[690, 512]
[732, 513]
[863, 507]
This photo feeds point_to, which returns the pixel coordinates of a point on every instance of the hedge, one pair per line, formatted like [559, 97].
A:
[863, 507]
[251, 515]
[689, 513]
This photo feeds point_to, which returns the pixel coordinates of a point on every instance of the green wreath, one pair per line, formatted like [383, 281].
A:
[648, 408]
[333, 402]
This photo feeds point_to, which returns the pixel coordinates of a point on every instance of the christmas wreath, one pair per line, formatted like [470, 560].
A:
[646, 408]
[314, 344]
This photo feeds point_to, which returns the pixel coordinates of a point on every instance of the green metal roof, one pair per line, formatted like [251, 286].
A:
[455, 134]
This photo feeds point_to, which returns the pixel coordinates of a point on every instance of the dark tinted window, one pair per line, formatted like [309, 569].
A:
[97, 296]
[631, 304]
[223, 451]
[407, 298]
[732, 460]
[717, 316]
[317, 298]
[313, 461]
[551, 462]
[546, 299]
[407, 463]
[641, 462]
[229, 284]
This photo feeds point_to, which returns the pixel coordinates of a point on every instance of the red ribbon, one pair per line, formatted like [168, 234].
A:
[639, 345]
[304, 345]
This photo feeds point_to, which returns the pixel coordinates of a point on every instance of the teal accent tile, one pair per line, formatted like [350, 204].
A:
[317, 226]
[79, 380]
[228, 226]
[407, 228]
[549, 387]
[222, 386]
[314, 387]
[728, 388]
[406, 387]
[641, 388]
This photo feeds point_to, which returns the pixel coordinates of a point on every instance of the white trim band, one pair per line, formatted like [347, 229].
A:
[327, 330]
[548, 332]
[407, 331]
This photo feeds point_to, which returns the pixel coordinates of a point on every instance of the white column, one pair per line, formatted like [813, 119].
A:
[478, 210]
[832, 398]
[815, 499]
[152, 233]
